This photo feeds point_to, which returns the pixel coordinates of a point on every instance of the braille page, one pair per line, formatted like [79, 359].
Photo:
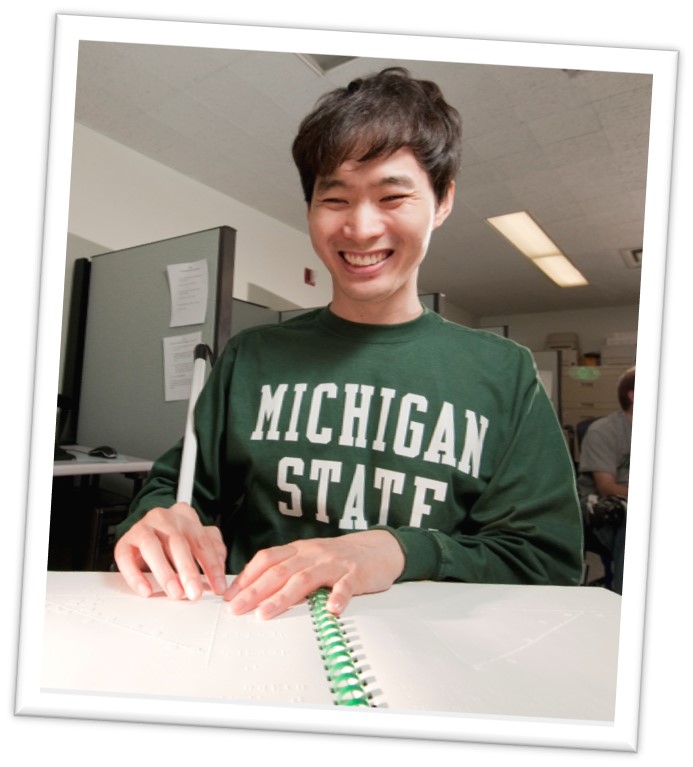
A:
[490, 650]
[101, 638]
[534, 651]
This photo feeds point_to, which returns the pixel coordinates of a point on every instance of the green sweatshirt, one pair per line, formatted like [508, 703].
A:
[443, 435]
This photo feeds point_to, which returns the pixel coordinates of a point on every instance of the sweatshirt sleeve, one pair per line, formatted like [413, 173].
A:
[524, 527]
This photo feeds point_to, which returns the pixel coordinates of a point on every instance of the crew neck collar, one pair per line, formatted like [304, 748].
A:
[367, 333]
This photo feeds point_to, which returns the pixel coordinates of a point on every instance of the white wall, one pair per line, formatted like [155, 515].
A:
[120, 199]
[591, 325]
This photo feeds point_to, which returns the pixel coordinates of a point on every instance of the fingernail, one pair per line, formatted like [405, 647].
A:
[266, 611]
[220, 584]
[144, 589]
[238, 606]
[174, 589]
[192, 590]
[334, 606]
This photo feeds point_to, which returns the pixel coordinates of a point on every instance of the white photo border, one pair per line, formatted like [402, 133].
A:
[70, 30]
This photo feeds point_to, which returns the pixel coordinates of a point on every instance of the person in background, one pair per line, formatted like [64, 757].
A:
[370, 441]
[603, 474]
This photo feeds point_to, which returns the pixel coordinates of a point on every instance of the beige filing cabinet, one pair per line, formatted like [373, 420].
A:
[589, 392]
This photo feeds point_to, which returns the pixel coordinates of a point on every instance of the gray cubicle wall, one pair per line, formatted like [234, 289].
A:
[122, 401]
[246, 315]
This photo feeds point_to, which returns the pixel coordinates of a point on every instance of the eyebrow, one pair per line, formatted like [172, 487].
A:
[328, 184]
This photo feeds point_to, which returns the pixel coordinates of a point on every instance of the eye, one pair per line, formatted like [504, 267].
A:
[333, 202]
[393, 199]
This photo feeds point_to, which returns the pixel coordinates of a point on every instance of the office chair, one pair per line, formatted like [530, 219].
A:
[574, 436]
[581, 429]
[592, 544]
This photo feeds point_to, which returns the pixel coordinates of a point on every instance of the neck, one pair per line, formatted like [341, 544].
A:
[369, 314]
[395, 308]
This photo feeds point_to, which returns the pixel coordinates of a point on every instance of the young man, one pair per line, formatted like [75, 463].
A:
[370, 441]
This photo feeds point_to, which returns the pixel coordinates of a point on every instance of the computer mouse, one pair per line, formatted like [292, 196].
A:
[104, 451]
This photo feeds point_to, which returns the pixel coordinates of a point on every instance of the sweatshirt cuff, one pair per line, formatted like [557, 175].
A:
[422, 554]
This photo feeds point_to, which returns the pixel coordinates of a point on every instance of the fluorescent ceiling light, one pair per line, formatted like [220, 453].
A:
[560, 270]
[523, 232]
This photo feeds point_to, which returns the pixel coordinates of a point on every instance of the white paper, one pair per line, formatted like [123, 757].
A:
[176, 647]
[189, 284]
[178, 365]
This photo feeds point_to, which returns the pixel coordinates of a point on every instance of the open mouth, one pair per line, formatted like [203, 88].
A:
[365, 259]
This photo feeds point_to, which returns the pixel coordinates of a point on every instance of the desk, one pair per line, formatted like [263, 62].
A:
[78, 519]
[89, 465]
[511, 651]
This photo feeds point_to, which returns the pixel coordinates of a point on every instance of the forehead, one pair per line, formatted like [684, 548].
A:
[401, 168]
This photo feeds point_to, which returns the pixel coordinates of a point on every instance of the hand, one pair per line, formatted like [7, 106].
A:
[356, 563]
[171, 543]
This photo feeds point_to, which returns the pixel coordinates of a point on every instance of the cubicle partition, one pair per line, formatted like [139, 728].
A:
[146, 306]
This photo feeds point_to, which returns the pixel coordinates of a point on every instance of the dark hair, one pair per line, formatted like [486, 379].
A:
[626, 384]
[375, 116]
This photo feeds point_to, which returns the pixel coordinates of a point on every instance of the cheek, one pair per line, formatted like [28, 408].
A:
[320, 229]
[417, 233]
[319, 241]
[316, 237]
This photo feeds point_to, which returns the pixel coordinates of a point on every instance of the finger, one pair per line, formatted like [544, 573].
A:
[210, 552]
[258, 566]
[340, 596]
[181, 546]
[302, 583]
[126, 560]
[152, 551]
[276, 590]
[191, 546]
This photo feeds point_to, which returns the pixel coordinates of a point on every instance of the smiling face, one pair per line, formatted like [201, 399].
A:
[370, 223]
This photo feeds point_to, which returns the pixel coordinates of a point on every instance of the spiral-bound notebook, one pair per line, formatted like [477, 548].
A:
[483, 649]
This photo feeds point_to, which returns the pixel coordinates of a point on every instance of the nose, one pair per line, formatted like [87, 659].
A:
[363, 222]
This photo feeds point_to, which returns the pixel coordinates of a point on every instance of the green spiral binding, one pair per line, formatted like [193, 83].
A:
[340, 665]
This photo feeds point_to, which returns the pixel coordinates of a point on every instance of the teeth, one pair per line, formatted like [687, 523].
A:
[365, 259]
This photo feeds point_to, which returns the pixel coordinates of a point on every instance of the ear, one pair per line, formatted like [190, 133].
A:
[444, 206]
